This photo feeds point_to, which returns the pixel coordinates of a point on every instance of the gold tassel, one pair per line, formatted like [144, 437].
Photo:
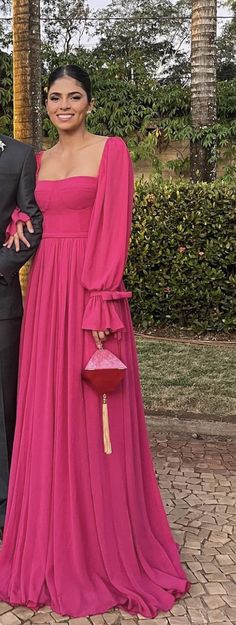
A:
[105, 421]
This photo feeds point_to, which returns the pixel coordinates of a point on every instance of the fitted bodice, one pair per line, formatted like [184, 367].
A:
[66, 205]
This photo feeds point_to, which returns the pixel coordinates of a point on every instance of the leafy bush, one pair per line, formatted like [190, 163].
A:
[6, 93]
[182, 258]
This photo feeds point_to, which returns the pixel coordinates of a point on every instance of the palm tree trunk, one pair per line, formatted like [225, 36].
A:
[27, 79]
[203, 85]
[27, 71]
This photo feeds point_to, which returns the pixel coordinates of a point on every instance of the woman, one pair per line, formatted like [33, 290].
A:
[85, 531]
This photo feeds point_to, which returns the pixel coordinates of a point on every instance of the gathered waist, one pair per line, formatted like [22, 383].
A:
[65, 235]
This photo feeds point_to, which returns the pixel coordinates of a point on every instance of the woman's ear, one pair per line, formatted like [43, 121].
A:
[46, 98]
[92, 105]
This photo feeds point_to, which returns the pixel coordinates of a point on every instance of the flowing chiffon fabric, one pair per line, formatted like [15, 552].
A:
[85, 531]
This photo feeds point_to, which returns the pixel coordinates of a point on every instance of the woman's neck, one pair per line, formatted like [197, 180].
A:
[74, 140]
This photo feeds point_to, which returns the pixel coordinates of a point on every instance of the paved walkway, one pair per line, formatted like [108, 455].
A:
[198, 483]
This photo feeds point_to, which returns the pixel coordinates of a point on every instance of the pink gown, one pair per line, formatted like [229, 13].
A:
[85, 531]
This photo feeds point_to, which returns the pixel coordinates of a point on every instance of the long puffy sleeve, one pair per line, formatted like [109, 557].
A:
[108, 239]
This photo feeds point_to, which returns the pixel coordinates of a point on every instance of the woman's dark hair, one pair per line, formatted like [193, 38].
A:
[72, 71]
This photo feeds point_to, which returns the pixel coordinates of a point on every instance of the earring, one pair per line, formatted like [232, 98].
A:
[88, 112]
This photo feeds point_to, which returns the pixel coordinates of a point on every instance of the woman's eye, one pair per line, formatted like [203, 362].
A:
[76, 97]
[54, 98]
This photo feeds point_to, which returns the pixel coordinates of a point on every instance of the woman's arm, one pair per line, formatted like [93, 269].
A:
[10, 260]
[108, 240]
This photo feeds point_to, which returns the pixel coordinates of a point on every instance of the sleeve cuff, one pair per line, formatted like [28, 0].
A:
[16, 216]
[102, 310]
[11, 228]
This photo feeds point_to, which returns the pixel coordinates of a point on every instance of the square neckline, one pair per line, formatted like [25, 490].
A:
[64, 179]
[69, 177]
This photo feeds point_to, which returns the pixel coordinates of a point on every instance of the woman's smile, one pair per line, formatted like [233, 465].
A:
[64, 117]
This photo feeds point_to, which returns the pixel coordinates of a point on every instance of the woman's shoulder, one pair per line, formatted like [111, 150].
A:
[38, 156]
[117, 145]
[114, 140]
[118, 154]
[117, 141]
[46, 153]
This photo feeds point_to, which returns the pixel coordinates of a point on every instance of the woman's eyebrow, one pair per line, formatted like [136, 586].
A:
[71, 93]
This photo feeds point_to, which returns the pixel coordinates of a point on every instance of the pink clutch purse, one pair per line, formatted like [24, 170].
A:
[104, 372]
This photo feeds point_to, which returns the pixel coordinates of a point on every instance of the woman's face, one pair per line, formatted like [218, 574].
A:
[67, 104]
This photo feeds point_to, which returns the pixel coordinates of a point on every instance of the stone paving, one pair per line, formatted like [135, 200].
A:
[197, 477]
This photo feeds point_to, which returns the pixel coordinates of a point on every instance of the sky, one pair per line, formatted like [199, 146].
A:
[222, 10]
[100, 4]
[97, 4]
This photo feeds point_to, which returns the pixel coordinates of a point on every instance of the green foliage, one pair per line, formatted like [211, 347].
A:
[226, 46]
[143, 37]
[68, 24]
[6, 104]
[182, 259]
[226, 97]
[145, 113]
[148, 116]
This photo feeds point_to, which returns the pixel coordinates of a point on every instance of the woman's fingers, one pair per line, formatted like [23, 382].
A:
[16, 242]
[20, 233]
[19, 236]
[9, 241]
[97, 340]
[100, 336]
[13, 239]
[29, 226]
[103, 334]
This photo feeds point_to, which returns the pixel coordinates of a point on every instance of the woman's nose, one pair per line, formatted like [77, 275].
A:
[64, 106]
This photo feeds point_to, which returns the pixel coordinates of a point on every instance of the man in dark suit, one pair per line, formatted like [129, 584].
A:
[17, 182]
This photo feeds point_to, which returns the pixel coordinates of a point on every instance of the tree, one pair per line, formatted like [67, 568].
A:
[6, 86]
[144, 37]
[64, 23]
[226, 47]
[27, 71]
[203, 85]
[5, 28]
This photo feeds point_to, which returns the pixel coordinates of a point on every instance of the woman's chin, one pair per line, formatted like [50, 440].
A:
[70, 127]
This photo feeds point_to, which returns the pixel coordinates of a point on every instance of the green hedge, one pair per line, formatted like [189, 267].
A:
[182, 259]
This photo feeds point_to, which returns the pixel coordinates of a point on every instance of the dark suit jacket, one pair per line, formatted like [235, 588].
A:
[17, 183]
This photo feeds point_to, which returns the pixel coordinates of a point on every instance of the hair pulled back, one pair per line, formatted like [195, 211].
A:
[72, 71]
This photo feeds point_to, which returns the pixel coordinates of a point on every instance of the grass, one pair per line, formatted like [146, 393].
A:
[188, 378]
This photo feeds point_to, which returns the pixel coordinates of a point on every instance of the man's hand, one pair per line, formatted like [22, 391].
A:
[19, 235]
[100, 336]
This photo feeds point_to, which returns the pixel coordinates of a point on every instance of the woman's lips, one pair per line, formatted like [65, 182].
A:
[65, 118]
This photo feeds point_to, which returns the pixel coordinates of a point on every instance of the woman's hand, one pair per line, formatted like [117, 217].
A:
[19, 235]
[100, 336]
